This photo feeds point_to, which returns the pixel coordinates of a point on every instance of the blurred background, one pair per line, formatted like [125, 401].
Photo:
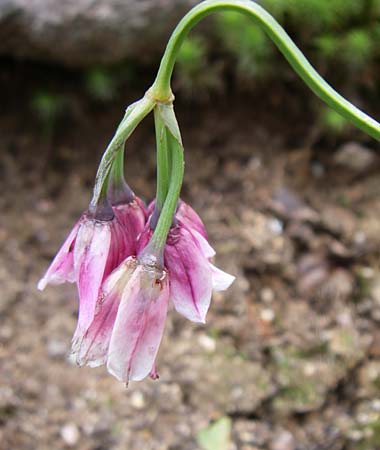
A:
[290, 194]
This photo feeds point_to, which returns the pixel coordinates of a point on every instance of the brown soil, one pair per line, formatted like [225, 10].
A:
[291, 353]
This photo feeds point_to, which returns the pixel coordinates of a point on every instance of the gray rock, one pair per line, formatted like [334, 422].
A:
[355, 156]
[84, 32]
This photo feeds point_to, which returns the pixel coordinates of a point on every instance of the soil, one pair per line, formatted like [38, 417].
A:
[290, 353]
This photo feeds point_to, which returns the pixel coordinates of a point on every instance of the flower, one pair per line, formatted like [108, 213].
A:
[91, 251]
[187, 258]
[129, 321]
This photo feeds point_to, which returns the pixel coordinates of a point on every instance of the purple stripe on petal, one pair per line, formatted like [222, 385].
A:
[90, 259]
[139, 325]
[93, 348]
[190, 275]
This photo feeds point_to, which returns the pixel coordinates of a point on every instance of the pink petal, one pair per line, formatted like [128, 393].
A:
[190, 275]
[186, 214]
[62, 267]
[90, 259]
[220, 280]
[139, 325]
[203, 244]
[144, 238]
[132, 216]
[93, 348]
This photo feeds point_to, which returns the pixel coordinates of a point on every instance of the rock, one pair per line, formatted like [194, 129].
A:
[288, 205]
[369, 379]
[354, 156]
[86, 32]
[252, 432]
[284, 440]
[306, 377]
[57, 349]
[232, 378]
[70, 434]
[138, 400]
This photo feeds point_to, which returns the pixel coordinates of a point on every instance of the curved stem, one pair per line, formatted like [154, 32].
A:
[161, 87]
[133, 116]
[163, 173]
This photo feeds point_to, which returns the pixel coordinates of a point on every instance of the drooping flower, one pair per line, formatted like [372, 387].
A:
[187, 258]
[129, 321]
[94, 248]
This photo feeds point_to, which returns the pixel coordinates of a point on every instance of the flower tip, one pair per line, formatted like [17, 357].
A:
[115, 372]
[221, 280]
[198, 318]
[154, 374]
[42, 284]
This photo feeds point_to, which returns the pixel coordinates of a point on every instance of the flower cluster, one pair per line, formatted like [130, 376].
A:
[124, 288]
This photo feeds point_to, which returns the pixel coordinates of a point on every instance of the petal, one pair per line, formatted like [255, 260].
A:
[221, 280]
[90, 258]
[139, 325]
[62, 267]
[203, 244]
[190, 275]
[186, 214]
[93, 348]
[144, 238]
[132, 215]
[123, 242]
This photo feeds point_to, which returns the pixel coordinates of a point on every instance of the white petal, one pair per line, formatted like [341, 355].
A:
[221, 280]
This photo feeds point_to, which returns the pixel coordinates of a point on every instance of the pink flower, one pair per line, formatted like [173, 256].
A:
[92, 250]
[129, 322]
[187, 258]
[186, 214]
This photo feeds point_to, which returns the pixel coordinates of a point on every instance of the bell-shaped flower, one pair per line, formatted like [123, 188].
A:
[92, 250]
[187, 258]
[129, 321]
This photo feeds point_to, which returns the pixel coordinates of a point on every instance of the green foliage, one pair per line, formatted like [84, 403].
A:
[193, 70]
[334, 122]
[101, 84]
[341, 39]
[358, 47]
[248, 43]
[48, 108]
[217, 436]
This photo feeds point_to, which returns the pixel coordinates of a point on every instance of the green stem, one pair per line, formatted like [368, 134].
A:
[102, 210]
[161, 231]
[134, 115]
[117, 170]
[118, 190]
[163, 170]
[161, 87]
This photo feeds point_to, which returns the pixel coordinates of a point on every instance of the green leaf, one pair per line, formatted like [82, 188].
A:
[216, 436]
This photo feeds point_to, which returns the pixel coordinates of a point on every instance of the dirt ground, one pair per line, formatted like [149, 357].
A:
[291, 352]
